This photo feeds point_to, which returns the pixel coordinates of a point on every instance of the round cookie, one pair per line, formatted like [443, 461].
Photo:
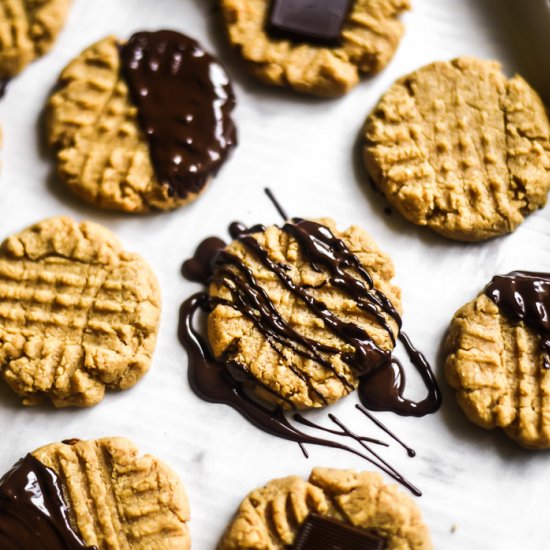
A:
[271, 517]
[98, 494]
[28, 30]
[313, 365]
[142, 125]
[499, 370]
[369, 37]
[458, 147]
[78, 314]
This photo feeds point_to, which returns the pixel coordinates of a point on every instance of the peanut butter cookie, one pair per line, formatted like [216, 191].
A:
[28, 29]
[320, 48]
[303, 327]
[498, 361]
[89, 495]
[460, 148]
[141, 125]
[78, 314]
[299, 515]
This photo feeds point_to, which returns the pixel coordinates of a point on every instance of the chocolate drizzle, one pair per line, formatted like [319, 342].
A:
[317, 22]
[323, 533]
[33, 513]
[214, 382]
[382, 390]
[184, 100]
[525, 296]
[382, 377]
[3, 86]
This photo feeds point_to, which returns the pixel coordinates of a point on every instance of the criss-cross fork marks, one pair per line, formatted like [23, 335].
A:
[271, 517]
[119, 500]
[28, 29]
[497, 369]
[102, 153]
[459, 148]
[298, 378]
[71, 327]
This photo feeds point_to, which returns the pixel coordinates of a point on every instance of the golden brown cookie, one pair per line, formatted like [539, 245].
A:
[499, 369]
[460, 148]
[78, 314]
[270, 518]
[370, 35]
[118, 499]
[289, 371]
[28, 29]
[141, 125]
[498, 357]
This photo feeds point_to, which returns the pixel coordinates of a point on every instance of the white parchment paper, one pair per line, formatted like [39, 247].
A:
[481, 491]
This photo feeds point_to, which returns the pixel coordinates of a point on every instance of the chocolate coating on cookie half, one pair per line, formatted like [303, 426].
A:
[33, 513]
[322, 533]
[525, 296]
[307, 21]
[184, 100]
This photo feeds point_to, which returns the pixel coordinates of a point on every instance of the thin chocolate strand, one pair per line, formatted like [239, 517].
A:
[321, 247]
[396, 475]
[276, 204]
[410, 451]
[253, 301]
[367, 353]
[379, 462]
[302, 420]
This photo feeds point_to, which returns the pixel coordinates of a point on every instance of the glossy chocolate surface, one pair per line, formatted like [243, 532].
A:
[383, 389]
[525, 296]
[322, 533]
[184, 100]
[33, 513]
[313, 21]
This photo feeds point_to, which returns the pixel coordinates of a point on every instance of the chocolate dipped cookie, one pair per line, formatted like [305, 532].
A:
[92, 495]
[498, 359]
[143, 124]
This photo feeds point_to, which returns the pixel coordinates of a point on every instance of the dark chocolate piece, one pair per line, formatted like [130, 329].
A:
[525, 296]
[33, 513]
[313, 21]
[322, 533]
[184, 100]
